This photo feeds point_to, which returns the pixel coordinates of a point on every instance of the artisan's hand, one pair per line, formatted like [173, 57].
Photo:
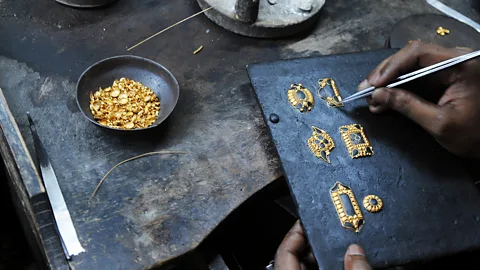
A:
[355, 259]
[295, 254]
[453, 120]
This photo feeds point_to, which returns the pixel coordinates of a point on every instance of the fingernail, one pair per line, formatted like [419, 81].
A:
[376, 109]
[363, 85]
[374, 78]
[376, 93]
[355, 250]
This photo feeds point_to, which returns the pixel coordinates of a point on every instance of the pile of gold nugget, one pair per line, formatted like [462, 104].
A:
[127, 104]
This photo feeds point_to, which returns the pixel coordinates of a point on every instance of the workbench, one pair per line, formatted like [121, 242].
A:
[156, 209]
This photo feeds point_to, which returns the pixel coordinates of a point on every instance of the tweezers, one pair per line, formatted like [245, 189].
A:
[415, 75]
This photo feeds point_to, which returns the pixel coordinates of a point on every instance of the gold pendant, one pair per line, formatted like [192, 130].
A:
[300, 97]
[334, 101]
[321, 144]
[353, 222]
[373, 203]
[356, 141]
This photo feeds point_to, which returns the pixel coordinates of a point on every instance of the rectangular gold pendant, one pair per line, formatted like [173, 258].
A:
[334, 101]
[353, 222]
[356, 141]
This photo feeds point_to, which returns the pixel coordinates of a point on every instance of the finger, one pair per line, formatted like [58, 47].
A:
[381, 66]
[291, 249]
[355, 259]
[414, 56]
[364, 85]
[464, 49]
[427, 115]
[377, 108]
[310, 259]
[372, 102]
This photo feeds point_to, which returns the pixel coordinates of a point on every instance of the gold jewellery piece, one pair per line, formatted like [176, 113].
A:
[321, 144]
[300, 97]
[373, 203]
[356, 141]
[442, 31]
[334, 101]
[353, 222]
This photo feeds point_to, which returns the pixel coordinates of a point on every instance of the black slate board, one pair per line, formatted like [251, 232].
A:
[430, 203]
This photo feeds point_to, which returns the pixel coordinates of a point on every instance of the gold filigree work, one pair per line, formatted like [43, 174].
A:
[356, 141]
[372, 203]
[353, 222]
[300, 97]
[334, 101]
[321, 144]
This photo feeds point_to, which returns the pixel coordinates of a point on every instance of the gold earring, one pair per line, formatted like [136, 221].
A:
[356, 141]
[321, 144]
[336, 100]
[300, 97]
[372, 203]
[353, 222]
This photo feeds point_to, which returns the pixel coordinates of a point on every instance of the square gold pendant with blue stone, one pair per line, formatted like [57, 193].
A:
[356, 141]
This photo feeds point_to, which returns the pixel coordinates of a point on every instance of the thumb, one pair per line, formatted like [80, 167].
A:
[355, 259]
[424, 113]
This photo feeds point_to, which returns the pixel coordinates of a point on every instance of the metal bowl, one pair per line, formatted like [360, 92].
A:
[149, 73]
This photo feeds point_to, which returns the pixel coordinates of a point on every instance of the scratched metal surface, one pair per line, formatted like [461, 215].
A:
[155, 209]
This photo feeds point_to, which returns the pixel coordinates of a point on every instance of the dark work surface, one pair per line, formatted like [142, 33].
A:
[424, 28]
[14, 250]
[151, 210]
[430, 202]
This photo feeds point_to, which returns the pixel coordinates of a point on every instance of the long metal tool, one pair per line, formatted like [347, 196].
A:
[63, 220]
[413, 73]
[416, 74]
[453, 13]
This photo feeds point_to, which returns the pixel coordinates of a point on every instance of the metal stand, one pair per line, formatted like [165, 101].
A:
[85, 3]
[263, 18]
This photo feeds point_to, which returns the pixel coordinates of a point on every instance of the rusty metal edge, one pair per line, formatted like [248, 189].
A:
[20, 167]
[251, 30]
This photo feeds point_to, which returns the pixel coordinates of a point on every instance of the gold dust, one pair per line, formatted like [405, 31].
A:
[198, 50]
[115, 93]
[442, 31]
[126, 104]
